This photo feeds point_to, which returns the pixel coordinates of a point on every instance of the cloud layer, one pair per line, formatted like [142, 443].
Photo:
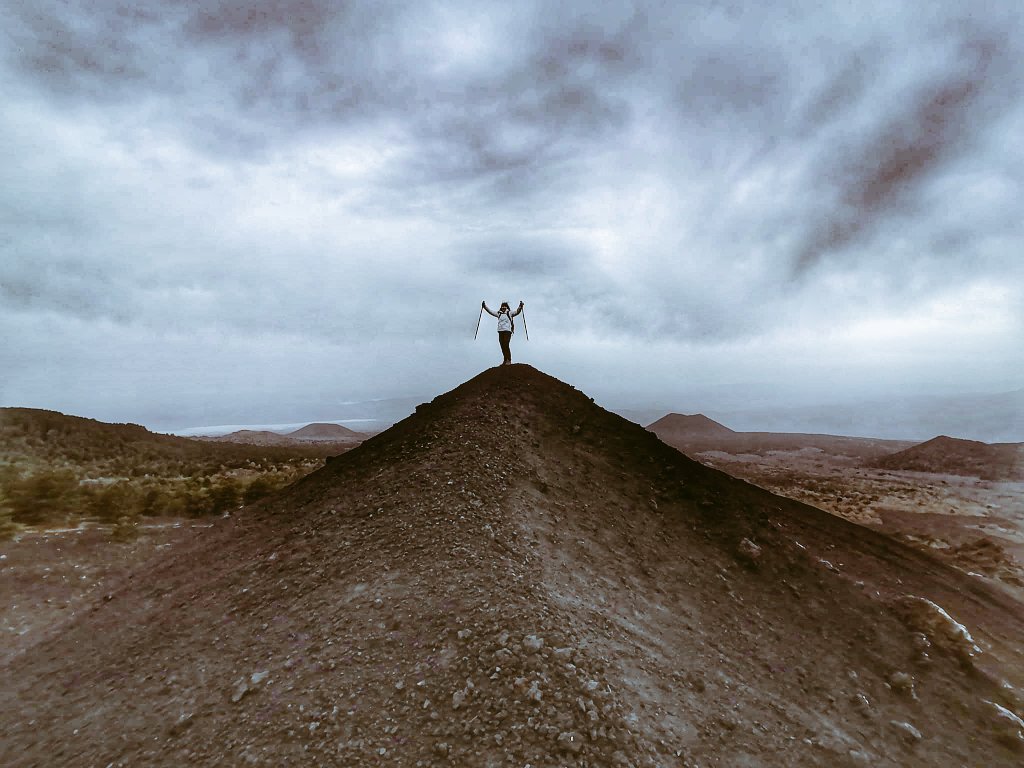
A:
[202, 200]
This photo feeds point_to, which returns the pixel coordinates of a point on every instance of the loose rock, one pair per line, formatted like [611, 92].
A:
[457, 698]
[749, 553]
[1008, 726]
[910, 732]
[902, 683]
[241, 688]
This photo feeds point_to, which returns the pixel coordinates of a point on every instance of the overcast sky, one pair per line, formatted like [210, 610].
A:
[245, 211]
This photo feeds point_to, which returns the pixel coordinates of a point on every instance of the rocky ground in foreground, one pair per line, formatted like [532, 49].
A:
[513, 576]
[47, 576]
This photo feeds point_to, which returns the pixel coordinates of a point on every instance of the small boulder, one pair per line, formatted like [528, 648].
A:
[532, 644]
[457, 698]
[902, 683]
[244, 686]
[749, 553]
[241, 688]
[534, 694]
[939, 628]
[909, 731]
[1008, 726]
[563, 654]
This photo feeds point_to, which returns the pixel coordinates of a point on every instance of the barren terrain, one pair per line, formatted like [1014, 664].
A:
[975, 524]
[514, 576]
[48, 575]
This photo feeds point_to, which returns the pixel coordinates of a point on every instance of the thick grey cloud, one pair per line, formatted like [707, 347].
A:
[880, 173]
[752, 192]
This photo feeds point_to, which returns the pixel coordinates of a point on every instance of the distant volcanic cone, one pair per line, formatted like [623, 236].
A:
[325, 432]
[676, 427]
[954, 456]
[511, 576]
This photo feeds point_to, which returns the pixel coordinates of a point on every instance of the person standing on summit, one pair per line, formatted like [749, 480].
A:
[506, 326]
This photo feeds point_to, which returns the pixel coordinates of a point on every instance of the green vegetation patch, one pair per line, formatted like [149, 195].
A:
[60, 470]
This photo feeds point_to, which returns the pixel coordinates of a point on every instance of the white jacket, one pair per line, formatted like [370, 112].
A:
[504, 318]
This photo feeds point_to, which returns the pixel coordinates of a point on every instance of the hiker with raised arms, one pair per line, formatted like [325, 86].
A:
[506, 326]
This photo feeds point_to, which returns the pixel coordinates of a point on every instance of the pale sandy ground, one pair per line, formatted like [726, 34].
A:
[977, 524]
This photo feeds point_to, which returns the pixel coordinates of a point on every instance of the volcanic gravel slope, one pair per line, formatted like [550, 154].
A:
[513, 576]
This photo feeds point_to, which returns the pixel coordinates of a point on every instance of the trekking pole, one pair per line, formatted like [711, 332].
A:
[524, 325]
[478, 322]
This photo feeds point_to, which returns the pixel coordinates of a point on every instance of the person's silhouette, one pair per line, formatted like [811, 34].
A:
[506, 327]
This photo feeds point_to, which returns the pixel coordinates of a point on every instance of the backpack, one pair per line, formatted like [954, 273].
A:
[510, 319]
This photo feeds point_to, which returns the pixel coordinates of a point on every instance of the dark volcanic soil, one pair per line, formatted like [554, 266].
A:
[513, 576]
[47, 576]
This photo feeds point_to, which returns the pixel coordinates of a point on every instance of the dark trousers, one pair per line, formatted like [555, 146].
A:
[504, 337]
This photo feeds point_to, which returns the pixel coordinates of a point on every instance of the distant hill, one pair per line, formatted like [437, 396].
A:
[953, 456]
[334, 432]
[309, 434]
[676, 426]
[31, 437]
[697, 433]
[368, 416]
[60, 469]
